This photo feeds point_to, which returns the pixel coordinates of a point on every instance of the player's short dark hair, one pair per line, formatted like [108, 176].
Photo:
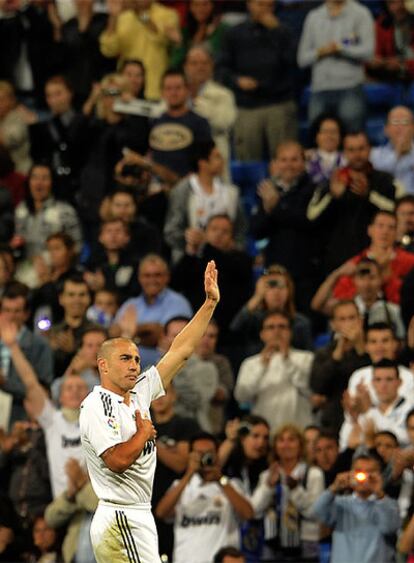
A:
[224, 551]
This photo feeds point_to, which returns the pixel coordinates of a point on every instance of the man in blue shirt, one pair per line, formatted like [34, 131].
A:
[362, 520]
[397, 156]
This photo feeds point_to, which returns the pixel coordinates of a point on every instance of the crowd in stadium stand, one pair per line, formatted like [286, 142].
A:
[139, 140]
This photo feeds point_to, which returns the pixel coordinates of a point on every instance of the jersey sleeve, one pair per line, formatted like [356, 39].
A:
[100, 423]
[46, 417]
[150, 385]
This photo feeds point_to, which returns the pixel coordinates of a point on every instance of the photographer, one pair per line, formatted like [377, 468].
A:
[207, 505]
[361, 521]
[345, 206]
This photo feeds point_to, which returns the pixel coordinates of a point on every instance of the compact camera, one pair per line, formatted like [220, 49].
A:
[207, 460]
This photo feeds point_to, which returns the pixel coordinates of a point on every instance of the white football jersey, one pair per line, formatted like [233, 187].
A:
[105, 421]
[205, 521]
[62, 443]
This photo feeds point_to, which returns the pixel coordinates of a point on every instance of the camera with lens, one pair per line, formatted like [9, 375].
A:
[207, 460]
[131, 170]
[275, 283]
[364, 272]
[244, 429]
[111, 92]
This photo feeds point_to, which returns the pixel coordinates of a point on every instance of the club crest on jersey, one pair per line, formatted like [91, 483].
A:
[113, 424]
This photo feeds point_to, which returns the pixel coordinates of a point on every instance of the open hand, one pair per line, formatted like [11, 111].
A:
[210, 282]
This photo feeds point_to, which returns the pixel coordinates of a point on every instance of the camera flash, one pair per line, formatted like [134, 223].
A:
[360, 476]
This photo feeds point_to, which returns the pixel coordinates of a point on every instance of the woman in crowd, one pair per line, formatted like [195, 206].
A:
[203, 27]
[244, 455]
[134, 72]
[326, 157]
[274, 292]
[39, 216]
[285, 494]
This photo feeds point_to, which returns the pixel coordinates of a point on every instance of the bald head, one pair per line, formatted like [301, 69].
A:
[108, 346]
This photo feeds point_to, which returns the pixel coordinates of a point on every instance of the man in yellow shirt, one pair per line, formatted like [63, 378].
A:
[145, 32]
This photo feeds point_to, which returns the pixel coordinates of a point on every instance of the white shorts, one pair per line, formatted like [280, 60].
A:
[122, 533]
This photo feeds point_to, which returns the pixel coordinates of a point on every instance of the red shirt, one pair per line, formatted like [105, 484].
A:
[401, 264]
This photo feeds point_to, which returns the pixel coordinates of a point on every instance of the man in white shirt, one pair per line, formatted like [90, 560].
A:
[119, 439]
[389, 414]
[276, 381]
[206, 505]
[61, 427]
[380, 343]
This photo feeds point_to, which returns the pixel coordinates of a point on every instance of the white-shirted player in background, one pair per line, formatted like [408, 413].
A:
[119, 439]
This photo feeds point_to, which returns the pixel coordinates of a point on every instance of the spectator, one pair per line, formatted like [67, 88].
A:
[10, 532]
[389, 413]
[291, 487]
[211, 100]
[203, 29]
[39, 216]
[123, 203]
[65, 336]
[174, 433]
[83, 62]
[6, 268]
[394, 263]
[329, 459]
[380, 343]
[46, 542]
[229, 555]
[23, 455]
[397, 156]
[206, 351]
[14, 134]
[327, 156]
[84, 363]
[145, 32]
[28, 36]
[234, 264]
[175, 133]
[202, 525]
[375, 517]
[62, 139]
[404, 211]
[72, 512]
[104, 307]
[281, 217]
[310, 435]
[14, 313]
[334, 364]
[256, 61]
[276, 382]
[345, 206]
[110, 133]
[393, 60]
[113, 263]
[156, 304]
[369, 298]
[61, 427]
[199, 197]
[275, 291]
[244, 455]
[134, 71]
[196, 383]
[9, 178]
[337, 39]
[58, 263]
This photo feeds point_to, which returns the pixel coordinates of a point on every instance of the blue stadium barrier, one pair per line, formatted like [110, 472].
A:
[382, 96]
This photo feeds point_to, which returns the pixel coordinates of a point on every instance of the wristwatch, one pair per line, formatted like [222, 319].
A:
[224, 480]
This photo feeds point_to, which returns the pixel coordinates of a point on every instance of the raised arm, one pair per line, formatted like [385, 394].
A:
[185, 342]
[35, 393]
